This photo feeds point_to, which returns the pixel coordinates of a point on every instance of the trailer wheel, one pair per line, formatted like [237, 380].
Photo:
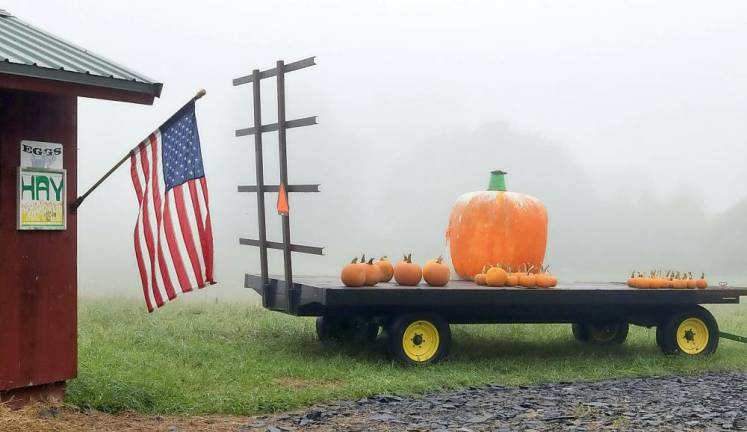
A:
[601, 334]
[418, 339]
[692, 331]
[346, 329]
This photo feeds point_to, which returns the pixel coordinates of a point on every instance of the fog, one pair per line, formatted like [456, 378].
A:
[625, 118]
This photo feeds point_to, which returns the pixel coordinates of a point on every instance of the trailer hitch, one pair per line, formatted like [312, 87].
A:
[733, 337]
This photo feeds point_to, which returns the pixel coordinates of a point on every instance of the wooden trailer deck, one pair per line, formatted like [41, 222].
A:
[465, 302]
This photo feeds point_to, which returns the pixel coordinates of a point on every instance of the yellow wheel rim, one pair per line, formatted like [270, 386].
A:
[692, 336]
[420, 341]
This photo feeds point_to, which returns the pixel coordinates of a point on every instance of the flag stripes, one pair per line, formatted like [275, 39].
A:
[173, 234]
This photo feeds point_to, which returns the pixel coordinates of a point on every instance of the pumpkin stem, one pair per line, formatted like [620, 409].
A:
[370, 262]
[497, 181]
[440, 258]
[354, 261]
[409, 258]
[363, 258]
[702, 275]
[384, 258]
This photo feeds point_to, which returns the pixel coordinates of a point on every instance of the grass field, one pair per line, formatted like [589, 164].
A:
[241, 359]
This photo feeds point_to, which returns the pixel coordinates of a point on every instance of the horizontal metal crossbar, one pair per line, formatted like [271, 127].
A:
[276, 245]
[290, 67]
[275, 188]
[306, 121]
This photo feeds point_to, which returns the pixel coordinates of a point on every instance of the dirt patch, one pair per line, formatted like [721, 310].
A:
[300, 383]
[45, 417]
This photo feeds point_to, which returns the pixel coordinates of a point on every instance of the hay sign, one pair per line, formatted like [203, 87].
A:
[41, 187]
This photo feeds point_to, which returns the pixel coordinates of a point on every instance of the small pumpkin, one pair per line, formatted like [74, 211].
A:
[691, 283]
[701, 283]
[373, 274]
[544, 279]
[436, 273]
[679, 282]
[407, 273]
[353, 275]
[643, 282]
[496, 277]
[386, 268]
[512, 279]
[632, 280]
[528, 280]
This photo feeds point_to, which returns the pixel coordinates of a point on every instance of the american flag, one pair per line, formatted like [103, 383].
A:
[173, 234]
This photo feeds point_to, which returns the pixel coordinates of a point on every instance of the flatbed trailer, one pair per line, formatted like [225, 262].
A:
[416, 319]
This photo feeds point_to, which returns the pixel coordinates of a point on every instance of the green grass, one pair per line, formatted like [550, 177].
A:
[241, 359]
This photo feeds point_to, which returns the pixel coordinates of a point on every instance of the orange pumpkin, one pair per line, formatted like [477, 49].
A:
[701, 283]
[436, 273]
[386, 268]
[496, 277]
[407, 273]
[528, 280]
[373, 274]
[643, 282]
[545, 279]
[496, 226]
[632, 280]
[691, 284]
[512, 279]
[480, 279]
[353, 275]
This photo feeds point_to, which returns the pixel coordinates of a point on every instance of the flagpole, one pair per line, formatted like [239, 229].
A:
[74, 206]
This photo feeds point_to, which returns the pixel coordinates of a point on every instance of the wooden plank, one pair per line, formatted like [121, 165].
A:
[275, 188]
[313, 250]
[306, 121]
[290, 67]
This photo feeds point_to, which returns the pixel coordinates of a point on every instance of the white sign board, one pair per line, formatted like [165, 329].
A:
[39, 154]
[41, 199]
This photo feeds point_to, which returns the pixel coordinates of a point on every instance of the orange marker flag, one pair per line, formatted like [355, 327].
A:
[282, 200]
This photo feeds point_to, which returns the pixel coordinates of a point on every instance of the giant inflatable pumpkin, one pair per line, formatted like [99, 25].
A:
[496, 227]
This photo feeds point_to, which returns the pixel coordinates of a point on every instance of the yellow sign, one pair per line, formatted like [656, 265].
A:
[41, 199]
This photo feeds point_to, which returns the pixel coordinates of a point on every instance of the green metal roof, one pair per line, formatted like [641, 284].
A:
[30, 52]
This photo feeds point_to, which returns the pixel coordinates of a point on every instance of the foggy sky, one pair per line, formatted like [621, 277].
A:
[626, 118]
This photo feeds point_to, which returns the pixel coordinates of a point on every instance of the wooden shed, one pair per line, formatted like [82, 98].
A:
[41, 78]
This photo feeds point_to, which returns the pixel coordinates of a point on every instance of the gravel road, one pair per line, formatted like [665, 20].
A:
[711, 402]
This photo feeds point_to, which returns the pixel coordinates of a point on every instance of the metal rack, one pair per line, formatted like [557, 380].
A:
[281, 295]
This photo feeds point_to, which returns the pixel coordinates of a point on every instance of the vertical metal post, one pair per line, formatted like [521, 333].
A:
[290, 289]
[260, 185]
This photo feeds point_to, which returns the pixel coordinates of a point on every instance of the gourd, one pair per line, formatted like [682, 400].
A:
[480, 277]
[691, 284]
[544, 279]
[406, 272]
[496, 226]
[528, 279]
[701, 283]
[512, 279]
[373, 274]
[643, 282]
[496, 277]
[632, 280]
[353, 275]
[436, 273]
[385, 266]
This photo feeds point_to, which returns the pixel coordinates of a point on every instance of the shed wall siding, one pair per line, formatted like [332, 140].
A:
[38, 269]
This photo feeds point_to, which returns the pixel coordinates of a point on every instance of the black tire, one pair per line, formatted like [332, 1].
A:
[430, 342]
[324, 328]
[346, 329]
[659, 335]
[601, 333]
[690, 331]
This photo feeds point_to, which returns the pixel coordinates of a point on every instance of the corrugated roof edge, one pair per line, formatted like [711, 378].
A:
[148, 86]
